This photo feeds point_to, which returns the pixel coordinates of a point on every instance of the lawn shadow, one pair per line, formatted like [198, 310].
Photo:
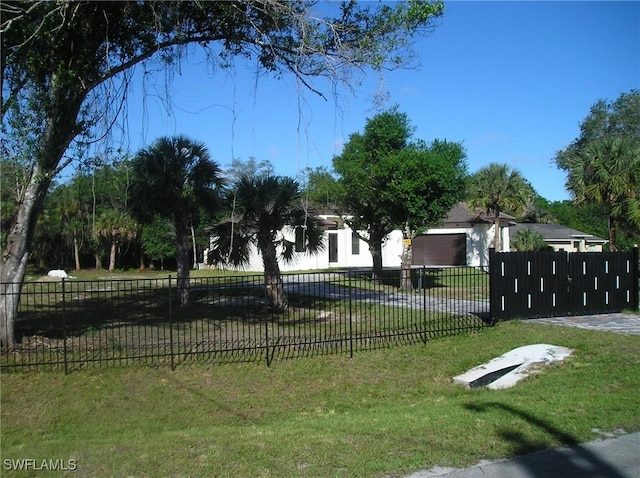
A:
[537, 459]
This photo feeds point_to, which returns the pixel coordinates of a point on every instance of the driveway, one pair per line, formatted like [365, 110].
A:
[619, 323]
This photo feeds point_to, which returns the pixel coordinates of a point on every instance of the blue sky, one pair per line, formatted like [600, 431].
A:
[510, 80]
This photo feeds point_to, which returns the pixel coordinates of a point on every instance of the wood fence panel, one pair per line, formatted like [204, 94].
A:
[553, 284]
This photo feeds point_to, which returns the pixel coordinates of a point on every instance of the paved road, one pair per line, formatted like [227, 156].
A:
[617, 457]
[610, 458]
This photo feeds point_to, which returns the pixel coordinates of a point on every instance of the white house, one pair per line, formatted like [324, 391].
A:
[464, 238]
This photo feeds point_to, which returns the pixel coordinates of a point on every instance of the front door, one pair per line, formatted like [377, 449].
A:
[333, 247]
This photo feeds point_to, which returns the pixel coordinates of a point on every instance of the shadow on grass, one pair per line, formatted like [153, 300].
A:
[545, 462]
[85, 311]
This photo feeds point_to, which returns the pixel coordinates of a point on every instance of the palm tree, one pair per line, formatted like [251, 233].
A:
[606, 171]
[495, 189]
[116, 227]
[261, 207]
[529, 240]
[173, 178]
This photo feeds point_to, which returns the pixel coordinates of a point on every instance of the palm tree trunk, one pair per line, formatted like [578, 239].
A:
[272, 277]
[98, 261]
[112, 255]
[76, 252]
[195, 250]
[182, 259]
[496, 232]
[613, 246]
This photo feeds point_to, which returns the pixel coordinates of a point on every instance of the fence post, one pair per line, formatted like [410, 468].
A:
[494, 294]
[636, 278]
[350, 316]
[266, 341]
[64, 328]
[173, 364]
[423, 284]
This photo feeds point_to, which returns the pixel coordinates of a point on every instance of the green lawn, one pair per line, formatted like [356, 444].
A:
[383, 413]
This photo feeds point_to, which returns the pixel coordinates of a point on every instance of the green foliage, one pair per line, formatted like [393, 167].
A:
[529, 240]
[57, 60]
[250, 167]
[321, 188]
[619, 118]
[174, 178]
[12, 183]
[603, 165]
[495, 189]
[388, 181]
[266, 212]
[158, 239]
[606, 171]
[429, 181]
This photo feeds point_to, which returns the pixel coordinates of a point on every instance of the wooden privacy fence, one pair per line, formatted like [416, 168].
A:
[554, 284]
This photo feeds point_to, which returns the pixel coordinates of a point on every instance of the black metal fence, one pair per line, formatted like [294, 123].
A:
[73, 324]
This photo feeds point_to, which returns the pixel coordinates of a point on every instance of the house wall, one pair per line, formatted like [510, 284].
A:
[479, 240]
[391, 252]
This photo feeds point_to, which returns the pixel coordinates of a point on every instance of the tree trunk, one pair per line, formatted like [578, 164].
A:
[274, 288]
[407, 258]
[375, 241]
[613, 246]
[195, 250]
[98, 261]
[182, 259]
[76, 252]
[142, 266]
[496, 234]
[16, 253]
[112, 255]
[63, 106]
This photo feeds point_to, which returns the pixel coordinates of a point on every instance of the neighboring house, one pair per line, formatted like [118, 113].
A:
[562, 238]
[464, 238]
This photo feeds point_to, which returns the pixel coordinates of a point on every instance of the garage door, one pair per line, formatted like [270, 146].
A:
[440, 250]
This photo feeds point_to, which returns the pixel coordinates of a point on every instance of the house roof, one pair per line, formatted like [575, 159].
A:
[556, 233]
[461, 214]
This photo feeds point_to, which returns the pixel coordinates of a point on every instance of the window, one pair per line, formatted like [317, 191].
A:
[355, 244]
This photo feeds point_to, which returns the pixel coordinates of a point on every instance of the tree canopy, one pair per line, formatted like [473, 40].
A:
[387, 180]
[603, 164]
[497, 188]
[619, 118]
[606, 171]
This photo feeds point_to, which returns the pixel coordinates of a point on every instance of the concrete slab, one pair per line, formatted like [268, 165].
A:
[508, 369]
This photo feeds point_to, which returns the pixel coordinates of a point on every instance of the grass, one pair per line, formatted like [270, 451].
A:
[383, 413]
